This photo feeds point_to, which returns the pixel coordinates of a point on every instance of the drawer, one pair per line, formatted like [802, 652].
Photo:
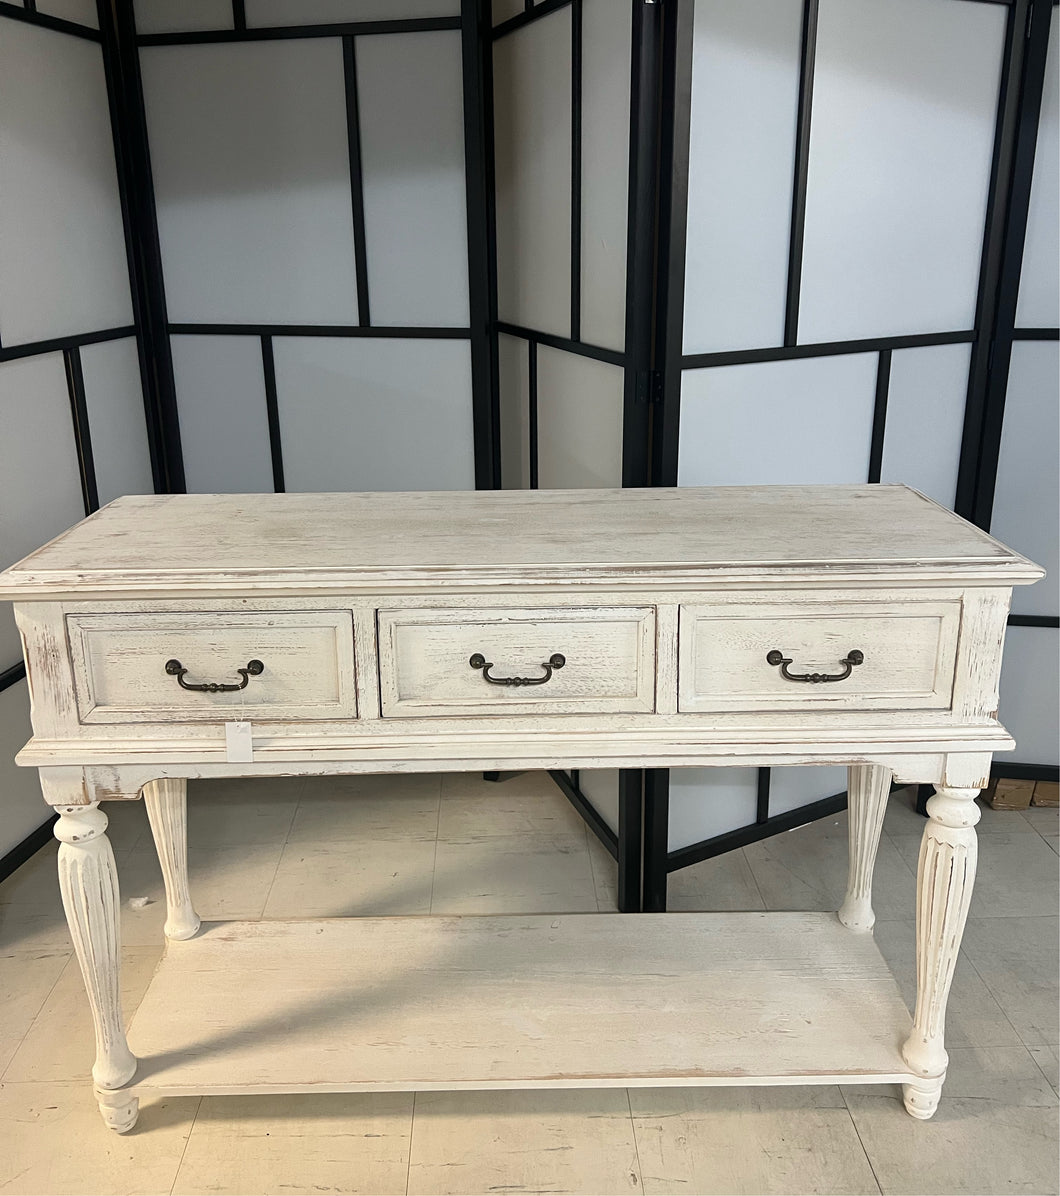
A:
[120, 665]
[908, 653]
[425, 661]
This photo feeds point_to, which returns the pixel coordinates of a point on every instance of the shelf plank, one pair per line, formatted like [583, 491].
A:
[580, 1000]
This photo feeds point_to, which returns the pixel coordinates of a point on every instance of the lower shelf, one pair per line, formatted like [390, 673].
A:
[542, 1001]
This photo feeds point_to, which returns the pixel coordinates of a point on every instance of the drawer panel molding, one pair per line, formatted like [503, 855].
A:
[124, 666]
[808, 656]
[563, 660]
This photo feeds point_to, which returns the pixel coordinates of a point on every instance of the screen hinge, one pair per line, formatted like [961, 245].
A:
[649, 390]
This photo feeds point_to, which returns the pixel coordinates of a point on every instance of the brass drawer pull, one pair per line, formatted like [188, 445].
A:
[555, 661]
[175, 669]
[853, 657]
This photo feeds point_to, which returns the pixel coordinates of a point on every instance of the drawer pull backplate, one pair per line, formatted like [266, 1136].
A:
[555, 661]
[853, 657]
[175, 669]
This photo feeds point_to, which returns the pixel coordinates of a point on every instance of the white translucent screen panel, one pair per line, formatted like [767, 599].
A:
[325, 12]
[410, 99]
[1039, 298]
[375, 414]
[513, 363]
[606, 49]
[252, 179]
[81, 12]
[116, 422]
[1025, 510]
[925, 419]
[745, 93]
[600, 786]
[705, 802]
[504, 10]
[1030, 706]
[579, 421]
[904, 103]
[63, 268]
[224, 426]
[790, 788]
[40, 484]
[179, 16]
[24, 810]
[807, 420]
[532, 138]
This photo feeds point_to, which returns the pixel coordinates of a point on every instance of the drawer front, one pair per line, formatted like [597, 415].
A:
[908, 656]
[120, 665]
[425, 670]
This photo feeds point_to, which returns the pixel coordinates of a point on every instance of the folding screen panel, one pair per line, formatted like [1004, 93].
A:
[561, 105]
[741, 156]
[311, 190]
[532, 113]
[1024, 510]
[252, 181]
[71, 404]
[224, 420]
[562, 122]
[840, 156]
[925, 419]
[60, 208]
[374, 412]
[901, 136]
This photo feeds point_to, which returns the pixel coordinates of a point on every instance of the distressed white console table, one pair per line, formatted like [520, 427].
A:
[376, 633]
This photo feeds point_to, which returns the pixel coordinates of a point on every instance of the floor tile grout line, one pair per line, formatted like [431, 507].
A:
[434, 865]
[412, 1127]
[963, 954]
[636, 1144]
[187, 1143]
[1048, 1082]
[33, 1020]
[861, 1143]
[283, 848]
[754, 879]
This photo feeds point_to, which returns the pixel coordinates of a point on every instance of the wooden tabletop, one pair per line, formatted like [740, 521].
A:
[201, 544]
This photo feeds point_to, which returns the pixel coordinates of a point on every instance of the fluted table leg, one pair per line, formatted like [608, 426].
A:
[167, 811]
[88, 882]
[945, 874]
[868, 787]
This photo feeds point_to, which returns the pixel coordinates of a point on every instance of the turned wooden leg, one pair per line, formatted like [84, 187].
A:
[119, 1109]
[944, 879]
[868, 787]
[167, 811]
[88, 882]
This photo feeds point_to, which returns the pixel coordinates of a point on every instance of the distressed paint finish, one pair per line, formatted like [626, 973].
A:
[868, 787]
[88, 882]
[365, 609]
[944, 879]
[167, 812]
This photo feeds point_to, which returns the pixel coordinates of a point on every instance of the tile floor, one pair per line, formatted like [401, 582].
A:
[453, 844]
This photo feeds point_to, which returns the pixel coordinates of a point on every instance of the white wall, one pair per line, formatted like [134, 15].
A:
[63, 273]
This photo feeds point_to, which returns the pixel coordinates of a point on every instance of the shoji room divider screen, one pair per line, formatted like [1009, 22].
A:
[834, 242]
[73, 429]
[255, 245]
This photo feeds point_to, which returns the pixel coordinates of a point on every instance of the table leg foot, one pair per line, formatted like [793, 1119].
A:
[119, 1110]
[922, 1098]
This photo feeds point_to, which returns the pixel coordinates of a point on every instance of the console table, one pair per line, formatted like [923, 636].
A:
[172, 637]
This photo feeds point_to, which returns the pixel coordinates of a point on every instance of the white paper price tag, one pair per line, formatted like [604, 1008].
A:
[238, 745]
